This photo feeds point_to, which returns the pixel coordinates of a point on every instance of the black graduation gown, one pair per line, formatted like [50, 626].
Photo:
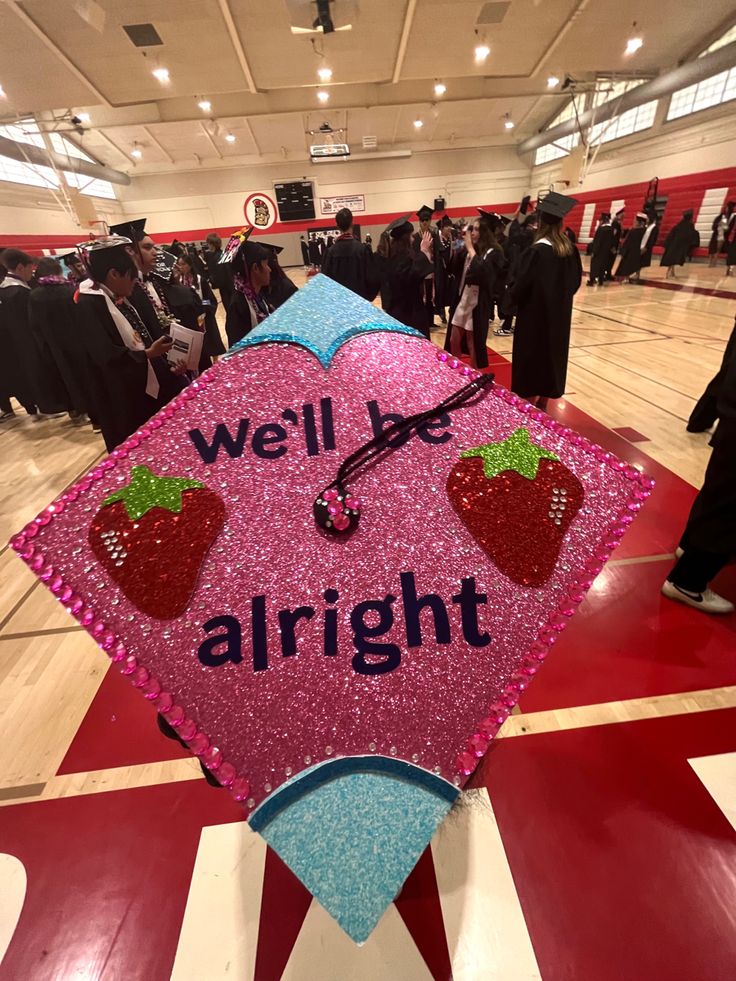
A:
[484, 272]
[731, 252]
[279, 290]
[350, 263]
[617, 230]
[240, 319]
[646, 257]
[543, 291]
[188, 305]
[220, 275]
[118, 375]
[520, 240]
[305, 252]
[630, 262]
[27, 370]
[315, 256]
[53, 318]
[435, 290]
[405, 275]
[601, 251]
[680, 240]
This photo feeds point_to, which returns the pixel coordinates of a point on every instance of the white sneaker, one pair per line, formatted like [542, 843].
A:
[679, 552]
[707, 601]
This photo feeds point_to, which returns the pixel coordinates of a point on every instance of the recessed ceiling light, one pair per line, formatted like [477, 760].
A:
[136, 153]
[481, 53]
[205, 105]
[509, 124]
[83, 117]
[323, 95]
[418, 123]
[440, 88]
[324, 73]
[230, 137]
[633, 45]
[161, 75]
[552, 82]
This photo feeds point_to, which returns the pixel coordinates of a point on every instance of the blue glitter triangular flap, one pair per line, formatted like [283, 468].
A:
[321, 317]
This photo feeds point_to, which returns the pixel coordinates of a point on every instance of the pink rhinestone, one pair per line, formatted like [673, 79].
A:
[557, 621]
[631, 473]
[584, 584]
[140, 677]
[28, 552]
[585, 444]
[199, 744]
[164, 702]
[107, 641]
[66, 594]
[334, 507]
[647, 482]
[188, 729]
[507, 700]
[488, 728]
[156, 423]
[575, 598]
[175, 715]
[226, 774]
[530, 669]
[477, 745]
[135, 440]
[537, 415]
[330, 494]
[454, 362]
[120, 453]
[634, 505]
[353, 503]
[499, 712]
[640, 493]
[98, 628]
[188, 393]
[466, 763]
[520, 681]
[129, 665]
[538, 650]
[31, 530]
[56, 584]
[87, 617]
[152, 689]
[37, 562]
[443, 356]
[240, 788]
[341, 522]
[56, 508]
[466, 371]
[43, 519]
[168, 412]
[212, 758]
[547, 636]
[72, 494]
[119, 653]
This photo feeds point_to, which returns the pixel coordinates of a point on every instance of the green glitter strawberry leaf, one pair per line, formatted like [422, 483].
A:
[146, 491]
[515, 453]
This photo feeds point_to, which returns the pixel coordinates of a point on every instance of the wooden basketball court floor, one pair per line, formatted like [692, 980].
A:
[598, 843]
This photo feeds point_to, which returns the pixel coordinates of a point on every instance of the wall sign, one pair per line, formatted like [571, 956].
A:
[330, 206]
[259, 210]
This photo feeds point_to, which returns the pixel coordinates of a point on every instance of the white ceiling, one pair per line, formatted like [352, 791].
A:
[261, 78]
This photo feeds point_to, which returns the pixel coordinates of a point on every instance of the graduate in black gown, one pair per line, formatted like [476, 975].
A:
[601, 251]
[219, 274]
[27, 370]
[76, 273]
[350, 262]
[708, 543]
[721, 230]
[197, 308]
[482, 262]
[631, 254]
[305, 251]
[128, 367]
[251, 276]
[434, 286]
[705, 413]
[649, 240]
[447, 294]
[53, 319]
[405, 273]
[550, 276]
[682, 238]
[519, 240]
[313, 250]
[617, 228]
[280, 287]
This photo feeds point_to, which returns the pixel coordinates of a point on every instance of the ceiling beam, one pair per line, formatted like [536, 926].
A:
[212, 143]
[403, 43]
[57, 52]
[559, 36]
[157, 143]
[237, 44]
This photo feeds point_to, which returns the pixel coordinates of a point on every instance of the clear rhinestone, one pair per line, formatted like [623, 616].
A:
[328, 750]
[267, 787]
[307, 760]
[372, 747]
[288, 771]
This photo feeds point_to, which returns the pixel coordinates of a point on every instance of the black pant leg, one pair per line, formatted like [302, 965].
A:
[696, 568]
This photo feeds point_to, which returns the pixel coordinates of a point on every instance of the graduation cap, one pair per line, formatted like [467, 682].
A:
[425, 213]
[315, 732]
[68, 257]
[233, 246]
[605, 216]
[556, 205]
[106, 242]
[444, 221]
[496, 221]
[164, 264]
[134, 230]
[642, 215]
[273, 249]
[398, 226]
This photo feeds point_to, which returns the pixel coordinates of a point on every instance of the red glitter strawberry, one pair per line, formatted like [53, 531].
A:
[152, 536]
[517, 500]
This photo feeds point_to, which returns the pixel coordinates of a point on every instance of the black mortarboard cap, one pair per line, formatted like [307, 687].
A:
[134, 230]
[68, 257]
[556, 205]
[395, 228]
[275, 249]
[605, 215]
[250, 252]
[425, 212]
[444, 221]
[496, 220]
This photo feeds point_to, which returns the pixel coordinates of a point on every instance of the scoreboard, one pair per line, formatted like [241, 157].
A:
[295, 200]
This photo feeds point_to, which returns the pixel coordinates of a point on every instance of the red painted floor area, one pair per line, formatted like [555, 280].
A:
[623, 862]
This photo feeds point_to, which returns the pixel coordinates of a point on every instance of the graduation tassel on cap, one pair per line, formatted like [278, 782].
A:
[336, 509]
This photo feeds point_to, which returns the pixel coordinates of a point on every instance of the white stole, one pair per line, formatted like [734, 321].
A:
[128, 335]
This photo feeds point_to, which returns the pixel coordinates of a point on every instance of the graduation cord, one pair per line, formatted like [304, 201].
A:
[336, 509]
